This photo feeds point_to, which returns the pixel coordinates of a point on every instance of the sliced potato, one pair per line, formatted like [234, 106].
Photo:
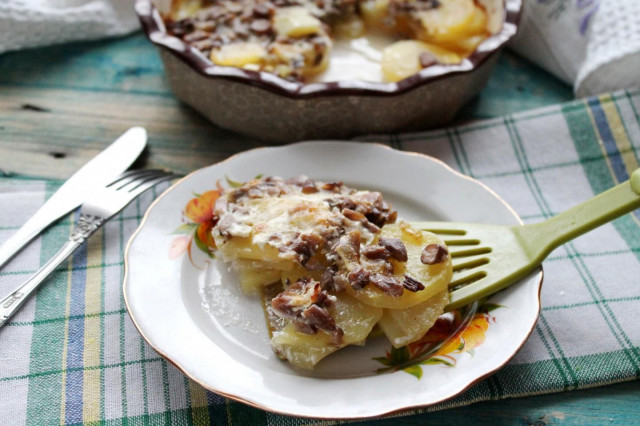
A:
[304, 350]
[465, 47]
[305, 52]
[349, 27]
[452, 20]
[404, 326]
[244, 248]
[435, 278]
[295, 21]
[298, 272]
[255, 274]
[402, 59]
[239, 54]
[374, 12]
[184, 9]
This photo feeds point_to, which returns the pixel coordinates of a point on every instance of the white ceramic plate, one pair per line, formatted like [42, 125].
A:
[190, 310]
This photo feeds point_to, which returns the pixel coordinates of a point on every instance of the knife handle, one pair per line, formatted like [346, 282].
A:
[9, 305]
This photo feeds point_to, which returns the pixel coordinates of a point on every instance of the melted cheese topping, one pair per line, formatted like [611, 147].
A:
[274, 214]
[277, 221]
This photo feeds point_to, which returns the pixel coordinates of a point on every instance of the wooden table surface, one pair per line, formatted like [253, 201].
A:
[59, 106]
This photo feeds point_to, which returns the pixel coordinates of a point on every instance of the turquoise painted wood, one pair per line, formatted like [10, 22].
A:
[130, 64]
[60, 105]
[103, 77]
[608, 405]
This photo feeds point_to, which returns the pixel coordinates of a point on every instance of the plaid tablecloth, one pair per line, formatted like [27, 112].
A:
[72, 354]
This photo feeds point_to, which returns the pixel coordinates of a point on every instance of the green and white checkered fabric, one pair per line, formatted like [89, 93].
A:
[72, 354]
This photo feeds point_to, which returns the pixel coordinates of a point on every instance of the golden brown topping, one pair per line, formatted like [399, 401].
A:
[376, 253]
[427, 59]
[411, 284]
[332, 186]
[300, 218]
[305, 304]
[306, 245]
[395, 247]
[354, 215]
[263, 10]
[348, 247]
[309, 187]
[387, 283]
[358, 277]
[434, 253]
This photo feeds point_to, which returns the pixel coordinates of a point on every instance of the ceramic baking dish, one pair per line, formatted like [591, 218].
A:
[263, 105]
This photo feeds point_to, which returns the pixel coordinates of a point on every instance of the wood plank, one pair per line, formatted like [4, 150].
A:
[51, 132]
[126, 64]
[131, 64]
[614, 404]
[81, 96]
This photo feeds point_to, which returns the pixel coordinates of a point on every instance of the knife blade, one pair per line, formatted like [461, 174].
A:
[98, 172]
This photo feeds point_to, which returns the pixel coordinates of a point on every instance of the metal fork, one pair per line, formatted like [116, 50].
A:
[93, 214]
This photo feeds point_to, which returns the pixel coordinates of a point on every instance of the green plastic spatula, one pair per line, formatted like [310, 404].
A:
[488, 258]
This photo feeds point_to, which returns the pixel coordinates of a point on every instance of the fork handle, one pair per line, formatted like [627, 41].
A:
[85, 227]
[541, 238]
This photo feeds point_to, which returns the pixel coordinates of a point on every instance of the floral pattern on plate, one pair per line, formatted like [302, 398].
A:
[453, 333]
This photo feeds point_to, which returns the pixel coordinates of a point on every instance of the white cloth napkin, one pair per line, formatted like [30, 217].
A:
[32, 23]
[593, 45]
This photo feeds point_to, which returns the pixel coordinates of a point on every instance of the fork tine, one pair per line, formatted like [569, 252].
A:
[126, 176]
[127, 173]
[145, 176]
[132, 176]
[120, 193]
[146, 182]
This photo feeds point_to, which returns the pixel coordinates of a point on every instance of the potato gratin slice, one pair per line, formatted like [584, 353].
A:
[341, 263]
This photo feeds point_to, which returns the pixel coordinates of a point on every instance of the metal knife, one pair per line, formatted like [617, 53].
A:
[94, 175]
